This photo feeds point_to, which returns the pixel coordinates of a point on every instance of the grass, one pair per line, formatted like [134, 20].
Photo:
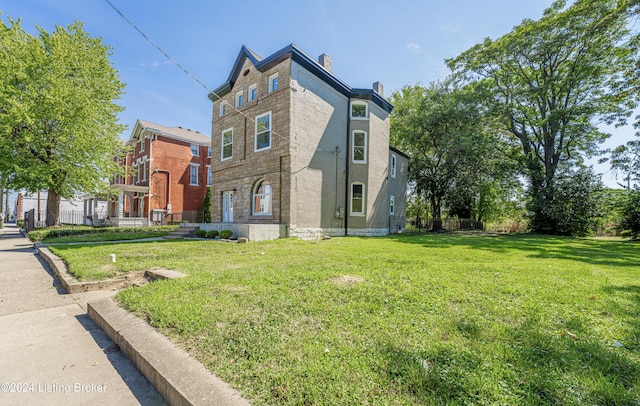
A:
[431, 319]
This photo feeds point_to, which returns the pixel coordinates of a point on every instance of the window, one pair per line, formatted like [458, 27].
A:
[223, 108]
[253, 93]
[262, 199]
[193, 174]
[239, 98]
[359, 152]
[392, 205]
[273, 83]
[357, 199]
[393, 165]
[144, 169]
[141, 143]
[208, 152]
[359, 110]
[195, 150]
[263, 132]
[208, 175]
[227, 145]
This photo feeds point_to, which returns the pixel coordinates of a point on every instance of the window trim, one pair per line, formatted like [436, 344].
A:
[252, 88]
[255, 138]
[239, 98]
[394, 163]
[209, 175]
[254, 194]
[197, 167]
[197, 149]
[364, 210]
[222, 144]
[392, 205]
[366, 110]
[353, 147]
[273, 88]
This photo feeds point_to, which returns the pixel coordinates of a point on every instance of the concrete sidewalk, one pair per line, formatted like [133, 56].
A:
[51, 353]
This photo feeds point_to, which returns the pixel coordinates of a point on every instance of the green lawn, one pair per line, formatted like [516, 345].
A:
[435, 319]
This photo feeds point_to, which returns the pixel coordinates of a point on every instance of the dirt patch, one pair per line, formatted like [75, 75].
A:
[347, 280]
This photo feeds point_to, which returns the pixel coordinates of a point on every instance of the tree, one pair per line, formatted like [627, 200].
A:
[625, 159]
[206, 207]
[551, 82]
[578, 202]
[58, 119]
[629, 223]
[449, 142]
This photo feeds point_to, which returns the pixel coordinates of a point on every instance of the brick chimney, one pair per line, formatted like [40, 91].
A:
[326, 61]
[378, 88]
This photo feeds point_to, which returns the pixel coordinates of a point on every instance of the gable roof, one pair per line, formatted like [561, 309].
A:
[310, 64]
[176, 132]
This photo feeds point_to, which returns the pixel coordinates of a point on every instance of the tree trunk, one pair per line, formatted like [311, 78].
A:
[436, 213]
[53, 209]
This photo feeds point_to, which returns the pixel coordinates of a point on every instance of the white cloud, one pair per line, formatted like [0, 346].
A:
[413, 48]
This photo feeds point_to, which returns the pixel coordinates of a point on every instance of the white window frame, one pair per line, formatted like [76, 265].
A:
[353, 147]
[223, 108]
[270, 130]
[209, 175]
[392, 205]
[267, 197]
[209, 151]
[366, 110]
[357, 213]
[274, 79]
[239, 98]
[222, 144]
[144, 168]
[197, 149]
[253, 88]
[197, 170]
[394, 163]
[142, 143]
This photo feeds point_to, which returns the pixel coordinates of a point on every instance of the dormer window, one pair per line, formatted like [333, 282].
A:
[359, 110]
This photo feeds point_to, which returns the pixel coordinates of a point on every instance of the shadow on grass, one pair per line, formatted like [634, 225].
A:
[596, 252]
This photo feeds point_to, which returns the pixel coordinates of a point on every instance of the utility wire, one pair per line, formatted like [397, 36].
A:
[192, 76]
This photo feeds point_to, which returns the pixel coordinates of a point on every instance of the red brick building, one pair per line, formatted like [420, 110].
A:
[168, 172]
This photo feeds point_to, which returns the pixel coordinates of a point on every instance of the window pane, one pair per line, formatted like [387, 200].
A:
[359, 146]
[357, 198]
[262, 199]
[358, 110]
[263, 132]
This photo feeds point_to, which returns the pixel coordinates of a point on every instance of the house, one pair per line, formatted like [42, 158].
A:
[72, 211]
[168, 172]
[298, 152]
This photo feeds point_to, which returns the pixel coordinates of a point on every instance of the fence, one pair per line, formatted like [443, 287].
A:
[419, 226]
[187, 216]
[74, 217]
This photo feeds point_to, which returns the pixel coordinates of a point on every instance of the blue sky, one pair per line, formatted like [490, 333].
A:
[394, 42]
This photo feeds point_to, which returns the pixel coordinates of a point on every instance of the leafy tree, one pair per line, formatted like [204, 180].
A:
[630, 214]
[625, 159]
[449, 142]
[551, 82]
[58, 119]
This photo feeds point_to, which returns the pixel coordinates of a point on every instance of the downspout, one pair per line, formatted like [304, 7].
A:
[346, 172]
[150, 162]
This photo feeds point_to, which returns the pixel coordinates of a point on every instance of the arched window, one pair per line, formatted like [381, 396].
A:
[262, 201]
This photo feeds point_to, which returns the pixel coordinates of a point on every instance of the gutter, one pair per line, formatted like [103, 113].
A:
[346, 183]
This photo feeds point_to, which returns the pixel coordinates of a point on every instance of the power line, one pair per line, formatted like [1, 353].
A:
[201, 83]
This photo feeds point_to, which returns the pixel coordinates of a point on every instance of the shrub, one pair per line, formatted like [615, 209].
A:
[20, 223]
[212, 234]
[201, 233]
[226, 233]
[629, 224]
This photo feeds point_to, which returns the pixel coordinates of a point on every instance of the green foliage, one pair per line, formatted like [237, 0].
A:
[201, 233]
[58, 119]
[625, 160]
[455, 159]
[56, 232]
[551, 81]
[206, 207]
[224, 234]
[409, 320]
[629, 223]
[212, 234]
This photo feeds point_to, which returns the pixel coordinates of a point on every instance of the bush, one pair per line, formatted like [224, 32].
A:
[20, 223]
[52, 232]
[226, 234]
[212, 234]
[201, 233]
[629, 224]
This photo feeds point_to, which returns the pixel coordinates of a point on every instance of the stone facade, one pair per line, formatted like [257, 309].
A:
[310, 165]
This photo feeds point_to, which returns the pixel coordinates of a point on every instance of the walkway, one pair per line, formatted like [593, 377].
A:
[51, 353]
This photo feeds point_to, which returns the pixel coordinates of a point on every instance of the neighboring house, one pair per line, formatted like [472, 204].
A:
[167, 177]
[72, 211]
[301, 152]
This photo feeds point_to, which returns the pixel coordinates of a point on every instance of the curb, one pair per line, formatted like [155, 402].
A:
[71, 284]
[180, 379]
